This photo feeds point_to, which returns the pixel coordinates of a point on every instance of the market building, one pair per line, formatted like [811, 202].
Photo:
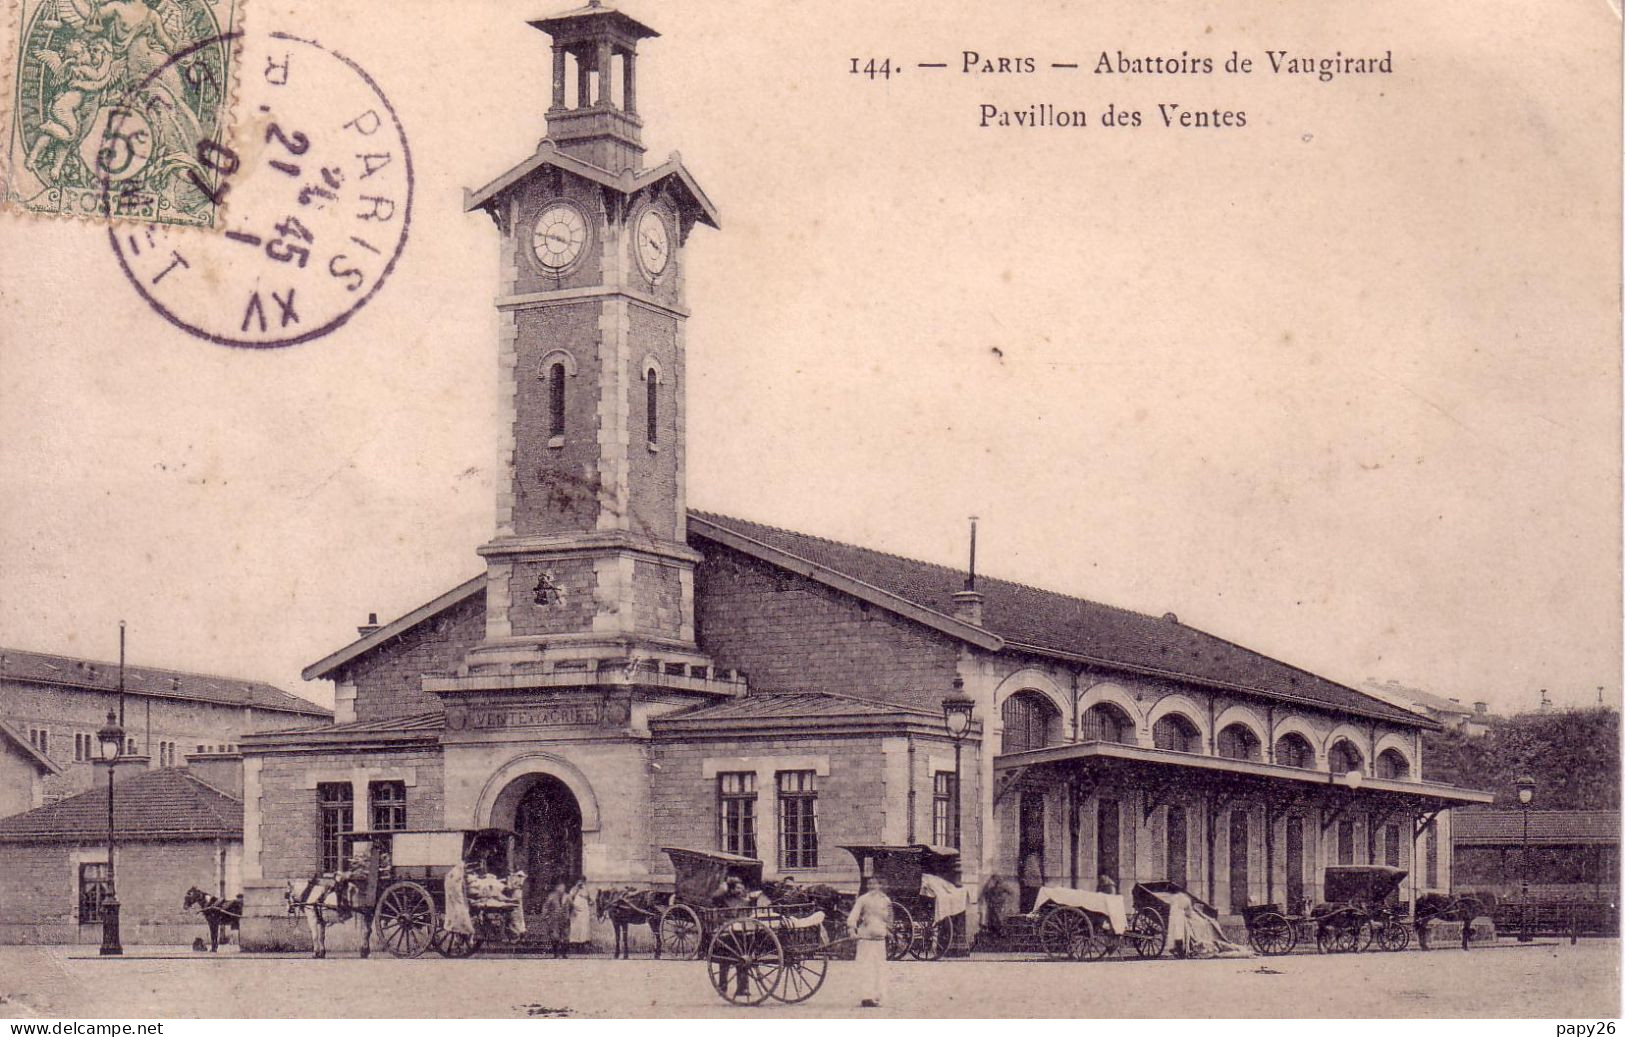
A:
[629, 673]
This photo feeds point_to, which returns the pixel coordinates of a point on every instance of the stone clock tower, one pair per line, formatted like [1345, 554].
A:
[589, 590]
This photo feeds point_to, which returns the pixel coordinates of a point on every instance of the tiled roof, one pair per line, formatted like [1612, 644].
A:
[776, 706]
[1046, 621]
[414, 724]
[1546, 827]
[93, 675]
[160, 804]
[40, 761]
[1401, 695]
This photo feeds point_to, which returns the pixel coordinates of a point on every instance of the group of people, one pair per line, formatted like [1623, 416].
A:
[566, 918]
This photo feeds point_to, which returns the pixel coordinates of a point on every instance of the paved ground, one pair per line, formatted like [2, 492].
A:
[1546, 981]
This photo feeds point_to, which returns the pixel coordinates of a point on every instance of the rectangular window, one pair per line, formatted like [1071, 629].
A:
[1345, 842]
[1390, 846]
[78, 748]
[388, 806]
[40, 739]
[737, 810]
[336, 801]
[798, 820]
[944, 816]
[94, 887]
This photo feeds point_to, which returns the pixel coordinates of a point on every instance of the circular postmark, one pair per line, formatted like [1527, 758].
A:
[314, 199]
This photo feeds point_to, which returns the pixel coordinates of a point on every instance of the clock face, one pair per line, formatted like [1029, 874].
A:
[654, 243]
[561, 234]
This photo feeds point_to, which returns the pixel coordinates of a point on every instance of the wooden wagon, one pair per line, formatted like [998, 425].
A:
[1359, 911]
[1079, 925]
[928, 903]
[417, 886]
[688, 923]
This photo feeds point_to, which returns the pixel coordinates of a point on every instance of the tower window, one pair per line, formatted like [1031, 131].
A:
[555, 400]
[651, 397]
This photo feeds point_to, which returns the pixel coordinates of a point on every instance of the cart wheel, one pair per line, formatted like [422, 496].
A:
[1148, 933]
[801, 978]
[405, 920]
[934, 941]
[679, 934]
[1066, 932]
[901, 938]
[454, 945]
[745, 962]
[1272, 934]
[1394, 936]
[1337, 939]
[1367, 934]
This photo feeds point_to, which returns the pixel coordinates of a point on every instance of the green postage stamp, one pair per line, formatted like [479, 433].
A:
[120, 109]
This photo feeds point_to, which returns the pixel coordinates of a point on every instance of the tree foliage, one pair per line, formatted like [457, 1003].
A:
[1573, 755]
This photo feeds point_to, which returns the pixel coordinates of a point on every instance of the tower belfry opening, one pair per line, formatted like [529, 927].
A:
[601, 44]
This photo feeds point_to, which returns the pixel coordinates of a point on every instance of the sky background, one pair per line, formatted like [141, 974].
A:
[1342, 385]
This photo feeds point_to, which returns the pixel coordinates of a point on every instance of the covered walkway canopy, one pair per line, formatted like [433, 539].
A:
[1162, 775]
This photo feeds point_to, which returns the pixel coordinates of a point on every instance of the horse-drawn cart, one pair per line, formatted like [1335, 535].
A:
[1359, 910]
[689, 922]
[447, 891]
[1080, 925]
[928, 903]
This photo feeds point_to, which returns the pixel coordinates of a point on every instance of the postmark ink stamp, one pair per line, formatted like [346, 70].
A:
[116, 106]
[317, 187]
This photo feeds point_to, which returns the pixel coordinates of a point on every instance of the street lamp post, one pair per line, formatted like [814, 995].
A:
[957, 708]
[111, 740]
[1526, 795]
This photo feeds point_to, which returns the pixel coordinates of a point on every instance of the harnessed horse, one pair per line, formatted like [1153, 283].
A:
[329, 893]
[216, 911]
[628, 906]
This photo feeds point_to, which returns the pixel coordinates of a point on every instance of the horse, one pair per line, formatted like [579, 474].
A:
[1441, 907]
[329, 893]
[216, 911]
[627, 906]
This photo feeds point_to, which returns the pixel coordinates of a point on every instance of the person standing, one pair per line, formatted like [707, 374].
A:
[1032, 878]
[580, 915]
[556, 921]
[732, 900]
[870, 922]
[995, 903]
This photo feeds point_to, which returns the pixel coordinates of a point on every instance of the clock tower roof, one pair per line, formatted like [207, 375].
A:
[591, 20]
[548, 155]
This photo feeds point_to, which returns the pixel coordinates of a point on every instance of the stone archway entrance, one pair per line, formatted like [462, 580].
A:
[546, 816]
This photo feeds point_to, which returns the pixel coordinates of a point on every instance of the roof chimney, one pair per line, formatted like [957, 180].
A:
[968, 602]
[371, 625]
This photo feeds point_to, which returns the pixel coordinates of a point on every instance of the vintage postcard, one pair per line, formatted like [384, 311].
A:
[619, 508]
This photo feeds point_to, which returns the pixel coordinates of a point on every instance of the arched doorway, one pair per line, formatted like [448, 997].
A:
[547, 818]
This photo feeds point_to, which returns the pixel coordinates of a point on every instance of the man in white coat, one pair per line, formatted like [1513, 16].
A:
[870, 922]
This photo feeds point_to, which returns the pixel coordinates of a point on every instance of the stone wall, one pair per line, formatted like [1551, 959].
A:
[389, 680]
[789, 633]
[39, 890]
